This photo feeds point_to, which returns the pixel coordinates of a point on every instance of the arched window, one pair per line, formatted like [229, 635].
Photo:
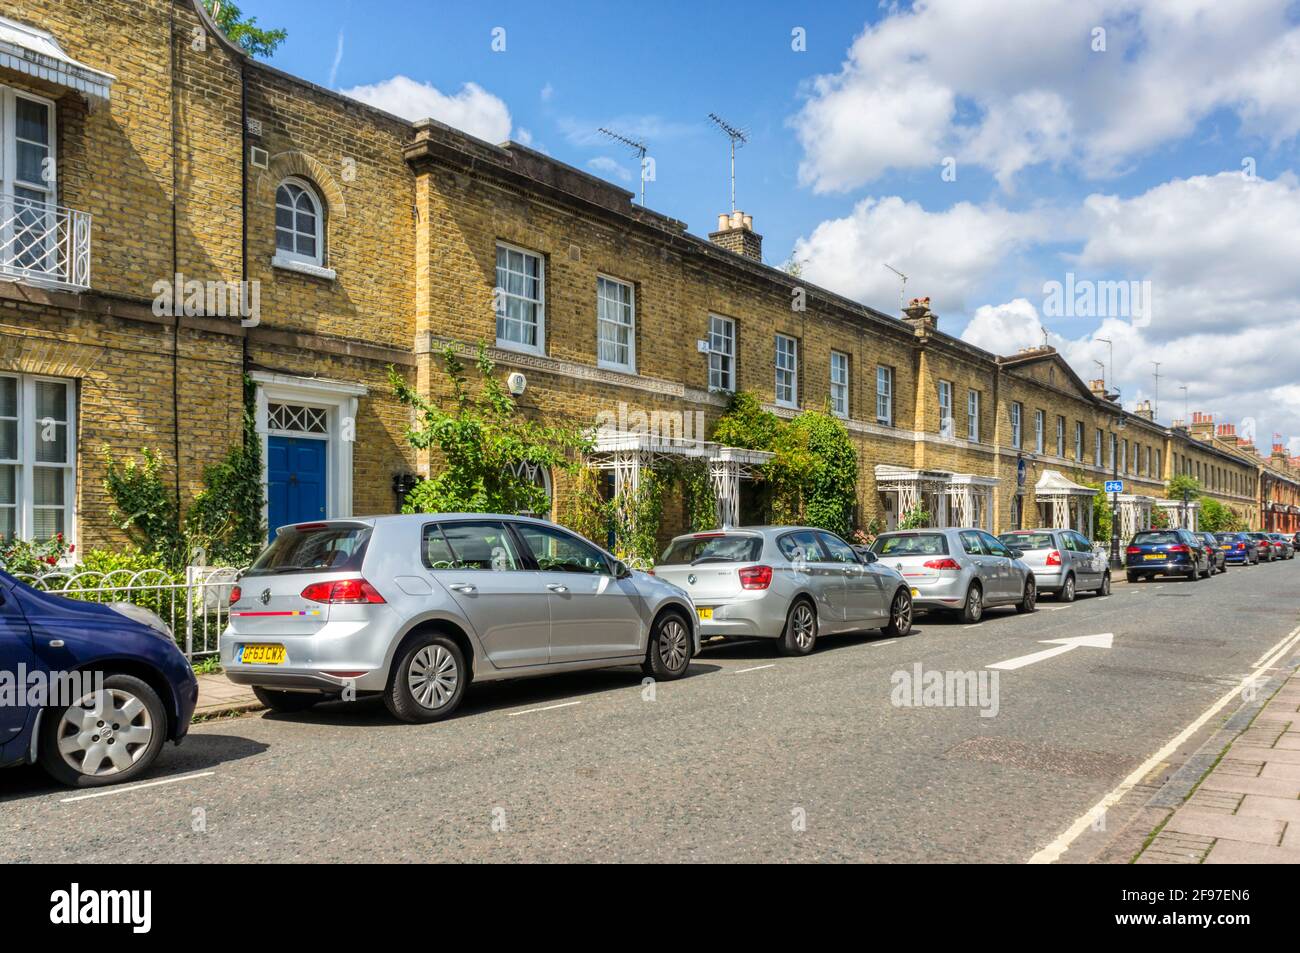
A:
[299, 223]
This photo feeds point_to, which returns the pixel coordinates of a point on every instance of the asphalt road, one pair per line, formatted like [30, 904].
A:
[752, 757]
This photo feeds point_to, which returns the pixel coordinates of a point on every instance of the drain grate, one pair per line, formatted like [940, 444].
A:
[1072, 762]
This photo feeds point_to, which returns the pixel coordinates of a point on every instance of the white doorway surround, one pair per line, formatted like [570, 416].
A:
[302, 401]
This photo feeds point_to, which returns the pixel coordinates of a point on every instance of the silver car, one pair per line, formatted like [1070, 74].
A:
[416, 607]
[790, 583]
[964, 570]
[1064, 562]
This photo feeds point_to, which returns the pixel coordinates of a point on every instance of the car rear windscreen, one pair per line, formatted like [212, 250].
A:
[911, 544]
[1156, 539]
[1028, 541]
[727, 548]
[327, 547]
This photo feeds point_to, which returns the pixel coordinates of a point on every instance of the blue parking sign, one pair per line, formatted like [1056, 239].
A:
[1114, 486]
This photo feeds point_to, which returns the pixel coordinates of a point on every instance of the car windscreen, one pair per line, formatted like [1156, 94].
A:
[1028, 541]
[1156, 539]
[725, 548]
[911, 544]
[323, 547]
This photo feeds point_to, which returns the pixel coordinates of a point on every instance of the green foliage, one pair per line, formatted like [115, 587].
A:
[746, 424]
[1160, 519]
[483, 440]
[1183, 482]
[1217, 518]
[1101, 512]
[916, 518]
[585, 512]
[636, 521]
[244, 30]
[143, 506]
[225, 519]
[33, 557]
[700, 496]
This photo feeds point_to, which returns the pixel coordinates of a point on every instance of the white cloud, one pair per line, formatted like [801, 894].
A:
[547, 93]
[1006, 84]
[604, 165]
[473, 110]
[946, 255]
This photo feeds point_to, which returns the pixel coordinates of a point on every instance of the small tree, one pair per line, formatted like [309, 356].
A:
[484, 444]
[244, 31]
[1183, 482]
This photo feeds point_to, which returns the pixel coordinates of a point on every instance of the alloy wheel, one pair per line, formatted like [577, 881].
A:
[974, 604]
[900, 617]
[804, 626]
[105, 733]
[433, 676]
[673, 644]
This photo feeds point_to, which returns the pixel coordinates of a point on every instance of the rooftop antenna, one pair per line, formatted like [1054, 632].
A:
[736, 135]
[1183, 388]
[902, 293]
[638, 148]
[1155, 414]
[1111, 347]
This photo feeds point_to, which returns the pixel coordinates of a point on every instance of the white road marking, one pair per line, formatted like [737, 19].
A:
[532, 711]
[1056, 848]
[135, 787]
[890, 642]
[1068, 605]
[742, 671]
[1102, 641]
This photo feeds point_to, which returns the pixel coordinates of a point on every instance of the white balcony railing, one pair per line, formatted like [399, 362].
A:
[43, 243]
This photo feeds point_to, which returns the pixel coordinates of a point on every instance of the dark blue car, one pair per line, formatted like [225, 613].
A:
[90, 691]
[1166, 552]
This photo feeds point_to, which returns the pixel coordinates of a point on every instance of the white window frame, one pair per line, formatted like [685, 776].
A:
[501, 294]
[786, 360]
[1096, 452]
[839, 384]
[885, 393]
[1017, 415]
[26, 464]
[1078, 440]
[1040, 425]
[1060, 436]
[722, 360]
[9, 183]
[283, 257]
[946, 424]
[603, 322]
[973, 415]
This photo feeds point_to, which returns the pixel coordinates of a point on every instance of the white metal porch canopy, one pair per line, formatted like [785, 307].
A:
[1071, 502]
[1134, 513]
[626, 454]
[35, 52]
[958, 499]
[1181, 515]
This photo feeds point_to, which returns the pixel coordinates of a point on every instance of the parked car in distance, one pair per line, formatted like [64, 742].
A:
[126, 687]
[1267, 550]
[1283, 546]
[1240, 548]
[1216, 551]
[961, 570]
[1166, 552]
[1063, 561]
[1295, 540]
[416, 607]
[789, 583]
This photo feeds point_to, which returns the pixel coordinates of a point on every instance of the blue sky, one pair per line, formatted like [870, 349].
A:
[1161, 149]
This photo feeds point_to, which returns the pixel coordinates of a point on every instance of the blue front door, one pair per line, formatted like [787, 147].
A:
[295, 472]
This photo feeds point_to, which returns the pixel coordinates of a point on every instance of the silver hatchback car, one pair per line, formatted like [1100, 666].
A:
[790, 583]
[416, 607]
[1064, 561]
[964, 570]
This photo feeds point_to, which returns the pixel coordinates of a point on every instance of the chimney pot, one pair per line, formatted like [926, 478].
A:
[724, 222]
[736, 233]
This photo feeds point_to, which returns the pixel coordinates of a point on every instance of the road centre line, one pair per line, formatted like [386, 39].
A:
[135, 787]
[531, 711]
[1057, 847]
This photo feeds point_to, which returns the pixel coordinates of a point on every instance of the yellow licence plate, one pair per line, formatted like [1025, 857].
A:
[262, 655]
[916, 592]
[1154, 556]
[705, 614]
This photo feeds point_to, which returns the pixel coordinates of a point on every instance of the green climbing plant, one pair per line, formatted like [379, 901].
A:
[918, 517]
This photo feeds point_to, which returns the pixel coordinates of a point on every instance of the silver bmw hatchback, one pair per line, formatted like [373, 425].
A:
[790, 583]
[965, 570]
[414, 608]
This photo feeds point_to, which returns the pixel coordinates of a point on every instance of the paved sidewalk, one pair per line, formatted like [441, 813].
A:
[1246, 810]
[218, 695]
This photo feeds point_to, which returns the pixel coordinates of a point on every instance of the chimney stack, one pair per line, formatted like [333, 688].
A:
[920, 317]
[1202, 424]
[736, 233]
[1228, 432]
[1144, 410]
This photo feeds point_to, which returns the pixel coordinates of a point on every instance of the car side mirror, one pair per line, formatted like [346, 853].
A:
[868, 557]
[621, 570]
[1017, 553]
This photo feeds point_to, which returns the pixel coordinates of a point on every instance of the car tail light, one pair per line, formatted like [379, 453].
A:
[1054, 558]
[942, 564]
[1134, 550]
[755, 577]
[235, 594]
[344, 591]
[1180, 548]
[1241, 545]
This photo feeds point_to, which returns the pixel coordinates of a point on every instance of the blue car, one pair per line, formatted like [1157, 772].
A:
[1167, 552]
[1241, 548]
[91, 691]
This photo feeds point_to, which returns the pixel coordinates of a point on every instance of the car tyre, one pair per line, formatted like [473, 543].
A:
[668, 655]
[1066, 593]
[972, 610]
[141, 717]
[800, 634]
[1104, 590]
[1029, 601]
[287, 703]
[900, 615]
[1132, 577]
[428, 680]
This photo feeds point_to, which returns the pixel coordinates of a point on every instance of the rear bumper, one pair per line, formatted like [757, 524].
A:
[945, 592]
[341, 646]
[1048, 580]
[1161, 569]
[761, 618]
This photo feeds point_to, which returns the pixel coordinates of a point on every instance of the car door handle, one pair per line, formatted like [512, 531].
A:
[463, 587]
[557, 587]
